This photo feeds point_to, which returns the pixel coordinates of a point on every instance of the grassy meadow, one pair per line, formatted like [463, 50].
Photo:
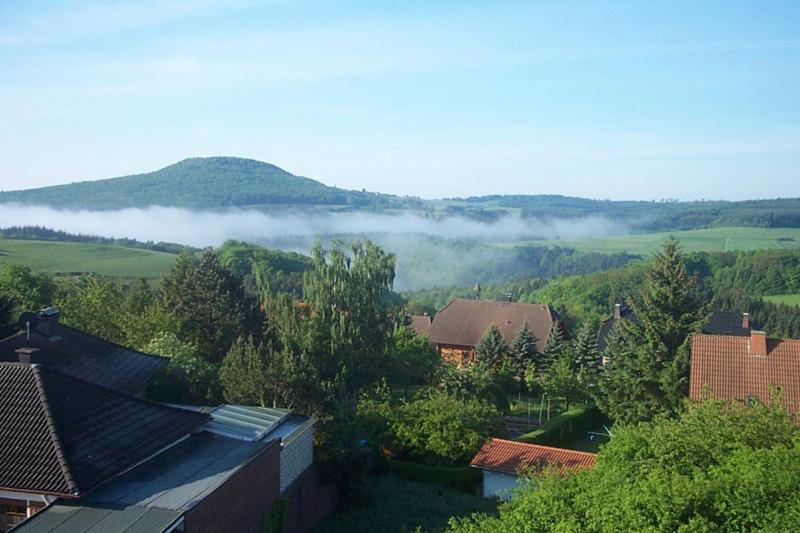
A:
[72, 258]
[787, 299]
[700, 240]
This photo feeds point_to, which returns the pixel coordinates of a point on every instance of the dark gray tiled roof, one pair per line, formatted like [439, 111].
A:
[83, 356]
[60, 435]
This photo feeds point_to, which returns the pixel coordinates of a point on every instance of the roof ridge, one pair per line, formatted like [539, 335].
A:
[110, 342]
[53, 430]
[543, 446]
[115, 392]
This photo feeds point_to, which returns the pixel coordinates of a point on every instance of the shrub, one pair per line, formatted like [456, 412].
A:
[565, 427]
[463, 478]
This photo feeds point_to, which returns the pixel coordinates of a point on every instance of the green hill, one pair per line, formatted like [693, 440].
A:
[209, 182]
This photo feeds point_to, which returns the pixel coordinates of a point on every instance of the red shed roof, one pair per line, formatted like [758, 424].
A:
[735, 368]
[513, 457]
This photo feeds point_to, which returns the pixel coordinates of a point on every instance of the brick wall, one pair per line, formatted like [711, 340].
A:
[308, 502]
[240, 503]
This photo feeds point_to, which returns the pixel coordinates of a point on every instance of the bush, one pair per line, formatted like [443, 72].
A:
[463, 478]
[437, 428]
[565, 427]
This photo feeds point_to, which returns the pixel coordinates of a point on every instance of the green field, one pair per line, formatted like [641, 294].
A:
[788, 299]
[700, 240]
[75, 258]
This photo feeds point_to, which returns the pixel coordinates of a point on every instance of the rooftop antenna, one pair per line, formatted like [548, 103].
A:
[29, 321]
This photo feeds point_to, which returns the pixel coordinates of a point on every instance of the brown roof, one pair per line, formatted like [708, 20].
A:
[60, 435]
[421, 325]
[515, 457]
[727, 367]
[84, 356]
[463, 322]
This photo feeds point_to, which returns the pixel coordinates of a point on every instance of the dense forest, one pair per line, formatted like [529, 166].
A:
[228, 182]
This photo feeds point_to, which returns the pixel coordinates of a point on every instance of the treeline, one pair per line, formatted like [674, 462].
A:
[41, 233]
[647, 216]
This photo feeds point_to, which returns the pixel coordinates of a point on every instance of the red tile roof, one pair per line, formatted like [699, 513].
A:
[513, 457]
[726, 366]
[464, 322]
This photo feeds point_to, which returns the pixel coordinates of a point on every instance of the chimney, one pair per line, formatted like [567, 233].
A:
[746, 320]
[48, 321]
[25, 354]
[758, 343]
[617, 311]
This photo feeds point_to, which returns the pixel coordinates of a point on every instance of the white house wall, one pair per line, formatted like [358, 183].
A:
[297, 455]
[499, 484]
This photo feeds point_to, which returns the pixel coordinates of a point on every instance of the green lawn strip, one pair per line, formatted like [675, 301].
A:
[392, 504]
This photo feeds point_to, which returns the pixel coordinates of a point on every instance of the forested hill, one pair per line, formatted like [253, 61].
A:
[209, 182]
[224, 182]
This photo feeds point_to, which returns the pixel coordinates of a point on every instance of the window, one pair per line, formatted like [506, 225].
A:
[12, 514]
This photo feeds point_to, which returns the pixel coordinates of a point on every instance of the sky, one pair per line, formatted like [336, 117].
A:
[619, 100]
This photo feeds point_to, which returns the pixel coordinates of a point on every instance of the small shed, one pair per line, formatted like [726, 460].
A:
[503, 462]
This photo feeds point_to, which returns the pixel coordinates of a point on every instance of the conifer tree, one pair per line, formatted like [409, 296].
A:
[649, 360]
[553, 347]
[586, 359]
[492, 348]
[523, 350]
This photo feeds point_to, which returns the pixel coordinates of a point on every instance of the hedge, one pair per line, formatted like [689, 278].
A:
[566, 427]
[463, 478]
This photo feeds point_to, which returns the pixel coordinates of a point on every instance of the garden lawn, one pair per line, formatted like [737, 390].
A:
[389, 503]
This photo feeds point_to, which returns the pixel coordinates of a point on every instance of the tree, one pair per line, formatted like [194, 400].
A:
[717, 467]
[31, 291]
[208, 304]
[560, 381]
[412, 359]
[523, 351]
[553, 348]
[244, 373]
[6, 315]
[649, 358]
[337, 337]
[492, 348]
[189, 378]
[585, 356]
[94, 305]
[435, 428]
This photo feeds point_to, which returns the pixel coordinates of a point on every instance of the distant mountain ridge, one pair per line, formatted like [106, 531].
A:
[230, 182]
[200, 182]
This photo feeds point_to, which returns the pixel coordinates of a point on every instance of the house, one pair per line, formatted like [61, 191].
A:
[503, 462]
[746, 369]
[420, 324]
[61, 437]
[460, 325]
[43, 340]
[225, 477]
[718, 323]
[82, 449]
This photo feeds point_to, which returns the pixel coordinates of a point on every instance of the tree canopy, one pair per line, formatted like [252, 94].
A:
[715, 468]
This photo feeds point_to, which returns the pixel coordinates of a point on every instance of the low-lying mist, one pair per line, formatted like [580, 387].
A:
[430, 251]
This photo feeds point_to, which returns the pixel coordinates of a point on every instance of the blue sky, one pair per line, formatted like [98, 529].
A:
[623, 100]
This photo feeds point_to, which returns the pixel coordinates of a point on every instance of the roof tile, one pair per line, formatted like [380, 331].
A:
[514, 457]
